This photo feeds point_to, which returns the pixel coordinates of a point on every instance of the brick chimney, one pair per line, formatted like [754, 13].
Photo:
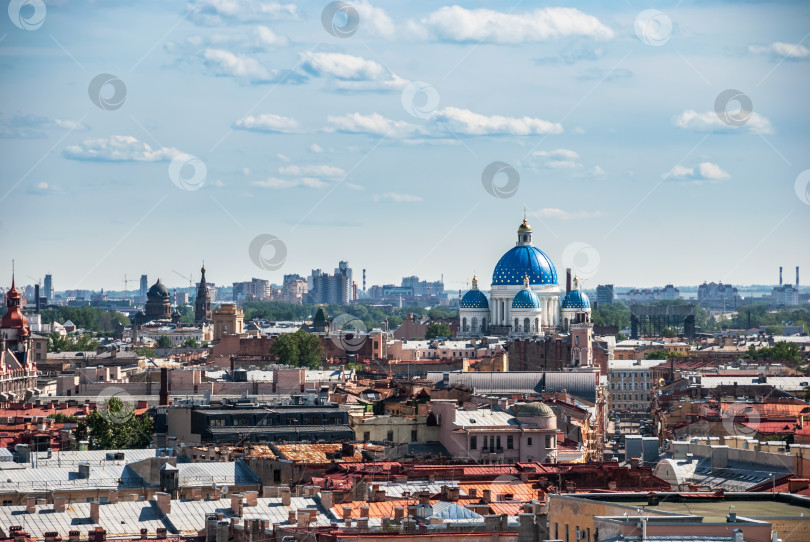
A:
[326, 499]
[59, 504]
[94, 512]
[347, 512]
[164, 503]
[285, 496]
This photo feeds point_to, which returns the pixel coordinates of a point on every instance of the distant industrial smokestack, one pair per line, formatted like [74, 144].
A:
[567, 280]
[780, 275]
[797, 277]
[36, 291]
[364, 279]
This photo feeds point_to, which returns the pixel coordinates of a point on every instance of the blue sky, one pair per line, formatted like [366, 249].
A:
[371, 147]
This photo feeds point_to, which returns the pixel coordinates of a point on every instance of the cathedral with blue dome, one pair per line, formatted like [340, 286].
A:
[525, 297]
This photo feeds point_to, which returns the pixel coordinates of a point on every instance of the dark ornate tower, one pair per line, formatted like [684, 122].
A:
[202, 305]
[158, 303]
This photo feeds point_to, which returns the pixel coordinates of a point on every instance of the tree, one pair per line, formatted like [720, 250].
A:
[191, 342]
[781, 350]
[437, 330]
[621, 337]
[145, 351]
[115, 426]
[657, 354]
[164, 342]
[299, 349]
[72, 343]
[668, 332]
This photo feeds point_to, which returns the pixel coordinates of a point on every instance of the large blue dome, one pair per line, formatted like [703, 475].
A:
[474, 299]
[576, 299]
[526, 299]
[521, 261]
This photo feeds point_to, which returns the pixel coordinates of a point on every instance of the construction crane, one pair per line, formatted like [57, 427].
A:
[126, 284]
[190, 278]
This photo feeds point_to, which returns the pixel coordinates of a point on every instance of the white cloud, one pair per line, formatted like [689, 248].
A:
[350, 72]
[397, 198]
[374, 20]
[266, 37]
[596, 171]
[315, 148]
[370, 124]
[217, 12]
[704, 171]
[318, 170]
[276, 183]
[703, 122]
[118, 148]
[224, 62]
[464, 121]
[450, 121]
[552, 212]
[457, 24]
[33, 126]
[559, 158]
[792, 51]
[283, 157]
[267, 123]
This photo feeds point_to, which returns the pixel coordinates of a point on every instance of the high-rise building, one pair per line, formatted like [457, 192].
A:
[47, 286]
[604, 294]
[144, 286]
[325, 288]
[254, 289]
[717, 296]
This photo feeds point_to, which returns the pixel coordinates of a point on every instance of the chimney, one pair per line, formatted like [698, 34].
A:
[567, 280]
[347, 512]
[144, 533]
[291, 515]
[326, 499]
[236, 504]
[364, 511]
[362, 524]
[73, 536]
[160, 533]
[780, 275]
[164, 503]
[453, 494]
[251, 498]
[94, 512]
[164, 386]
[399, 513]
[285, 496]
[112, 496]
[58, 504]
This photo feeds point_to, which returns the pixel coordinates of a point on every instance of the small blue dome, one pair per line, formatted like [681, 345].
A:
[521, 261]
[474, 299]
[526, 299]
[576, 299]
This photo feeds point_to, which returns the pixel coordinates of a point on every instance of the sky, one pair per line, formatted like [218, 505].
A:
[647, 143]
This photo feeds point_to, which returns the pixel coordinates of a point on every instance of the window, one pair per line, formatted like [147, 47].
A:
[510, 442]
[217, 423]
[366, 436]
[549, 441]
[390, 436]
[529, 441]
[277, 475]
[474, 442]
[413, 435]
[498, 442]
[6, 503]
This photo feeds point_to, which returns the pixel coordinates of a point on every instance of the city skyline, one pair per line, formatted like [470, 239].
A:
[404, 139]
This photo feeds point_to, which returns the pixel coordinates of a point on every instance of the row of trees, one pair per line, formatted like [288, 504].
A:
[618, 314]
[89, 318]
[371, 316]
